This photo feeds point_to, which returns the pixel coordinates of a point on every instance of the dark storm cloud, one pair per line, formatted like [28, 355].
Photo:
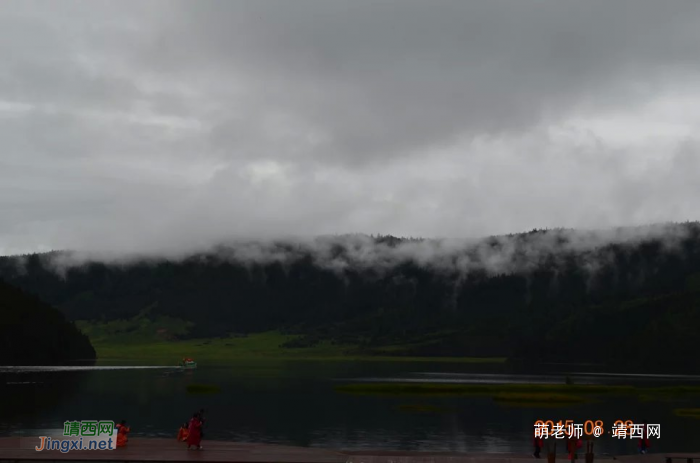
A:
[382, 78]
[135, 126]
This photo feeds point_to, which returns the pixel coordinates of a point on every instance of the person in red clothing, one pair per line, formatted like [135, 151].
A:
[122, 431]
[183, 432]
[572, 445]
[195, 433]
[538, 443]
[644, 443]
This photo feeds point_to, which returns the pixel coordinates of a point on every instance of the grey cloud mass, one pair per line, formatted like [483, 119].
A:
[172, 125]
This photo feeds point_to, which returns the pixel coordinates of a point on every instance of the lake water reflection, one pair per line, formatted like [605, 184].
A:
[294, 402]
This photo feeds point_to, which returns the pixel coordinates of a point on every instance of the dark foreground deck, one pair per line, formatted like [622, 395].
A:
[144, 450]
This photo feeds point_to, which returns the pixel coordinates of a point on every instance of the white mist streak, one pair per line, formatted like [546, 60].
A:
[495, 255]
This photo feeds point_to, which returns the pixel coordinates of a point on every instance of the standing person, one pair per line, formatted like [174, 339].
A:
[203, 420]
[537, 441]
[572, 445]
[122, 431]
[183, 432]
[644, 443]
[194, 437]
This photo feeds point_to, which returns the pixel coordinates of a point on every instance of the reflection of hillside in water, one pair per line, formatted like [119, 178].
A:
[30, 394]
[43, 397]
[297, 403]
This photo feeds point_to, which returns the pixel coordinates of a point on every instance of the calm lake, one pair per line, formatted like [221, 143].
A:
[294, 402]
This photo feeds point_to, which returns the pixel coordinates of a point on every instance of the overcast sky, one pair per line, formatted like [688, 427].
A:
[137, 125]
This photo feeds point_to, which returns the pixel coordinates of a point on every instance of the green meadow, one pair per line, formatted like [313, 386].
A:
[136, 341]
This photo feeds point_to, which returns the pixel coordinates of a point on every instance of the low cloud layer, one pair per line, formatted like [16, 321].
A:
[168, 127]
[498, 255]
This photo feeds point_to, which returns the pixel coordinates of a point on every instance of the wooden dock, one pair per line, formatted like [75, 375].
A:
[143, 450]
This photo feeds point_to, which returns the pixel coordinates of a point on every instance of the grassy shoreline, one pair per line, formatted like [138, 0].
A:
[259, 346]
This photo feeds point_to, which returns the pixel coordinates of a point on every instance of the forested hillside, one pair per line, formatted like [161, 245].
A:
[34, 333]
[544, 295]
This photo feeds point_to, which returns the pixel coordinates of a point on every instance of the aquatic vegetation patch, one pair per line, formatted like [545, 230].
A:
[687, 412]
[442, 389]
[524, 395]
[533, 397]
[673, 391]
[203, 389]
[534, 405]
[421, 408]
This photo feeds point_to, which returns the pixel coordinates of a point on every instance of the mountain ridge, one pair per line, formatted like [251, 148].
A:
[34, 333]
[504, 296]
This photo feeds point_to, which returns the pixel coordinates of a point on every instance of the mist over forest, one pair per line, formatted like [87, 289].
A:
[626, 297]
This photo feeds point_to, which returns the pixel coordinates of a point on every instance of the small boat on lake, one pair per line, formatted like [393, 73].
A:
[188, 364]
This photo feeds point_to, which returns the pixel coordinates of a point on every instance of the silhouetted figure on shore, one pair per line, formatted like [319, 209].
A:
[537, 441]
[644, 443]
